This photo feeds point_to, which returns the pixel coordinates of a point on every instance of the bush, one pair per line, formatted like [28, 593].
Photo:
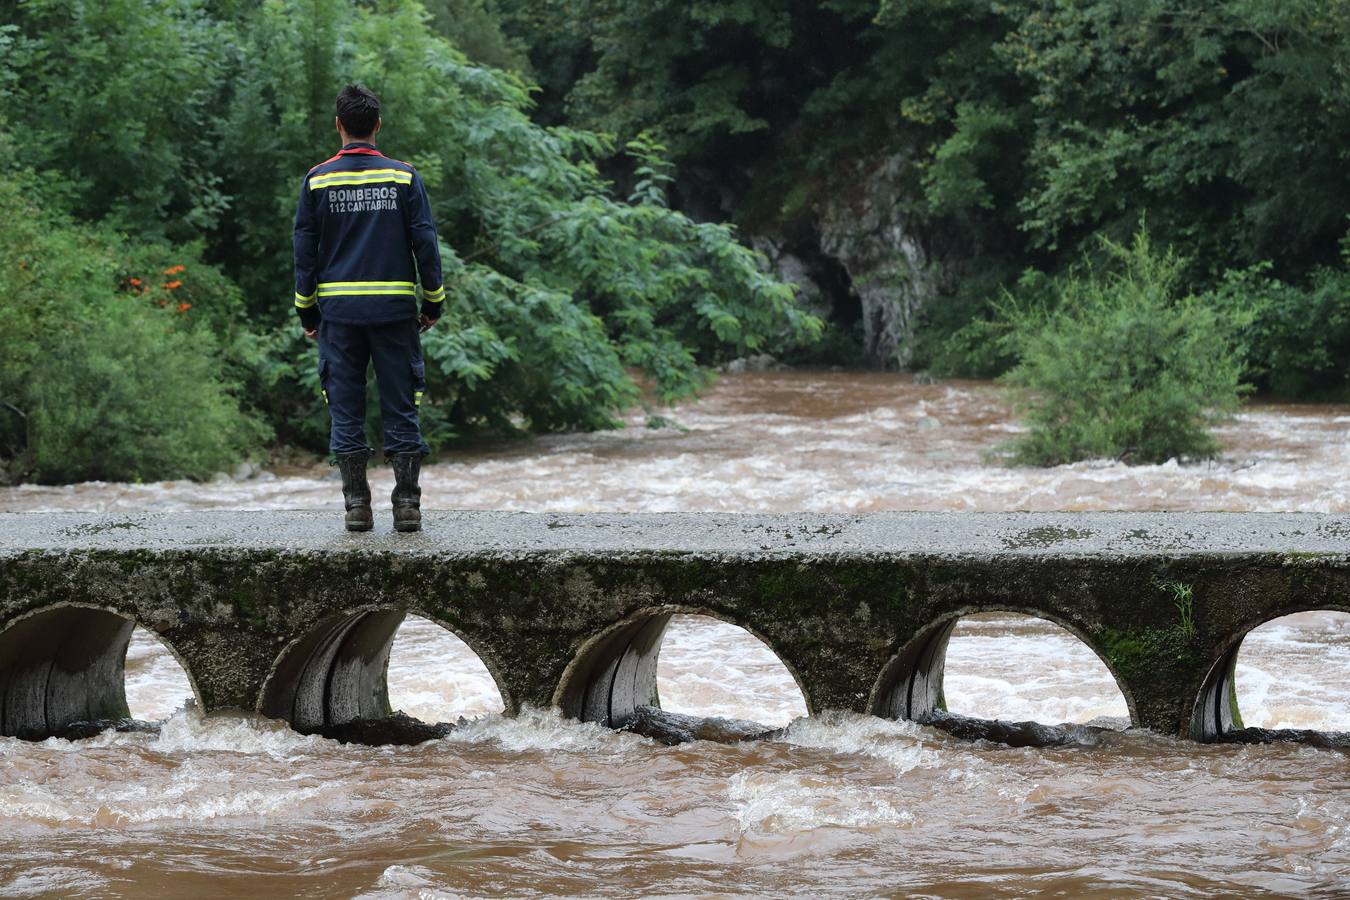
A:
[1118, 366]
[106, 374]
[1297, 338]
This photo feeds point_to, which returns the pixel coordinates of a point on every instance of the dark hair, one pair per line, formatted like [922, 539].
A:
[358, 109]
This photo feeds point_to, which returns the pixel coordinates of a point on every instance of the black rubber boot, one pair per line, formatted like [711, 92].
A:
[407, 496]
[356, 491]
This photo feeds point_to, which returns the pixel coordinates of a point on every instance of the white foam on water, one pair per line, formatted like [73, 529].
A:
[545, 729]
[139, 804]
[150, 789]
[409, 881]
[54, 881]
[189, 731]
[901, 745]
[776, 802]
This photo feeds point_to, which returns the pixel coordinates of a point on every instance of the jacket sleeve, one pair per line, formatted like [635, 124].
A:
[305, 240]
[425, 247]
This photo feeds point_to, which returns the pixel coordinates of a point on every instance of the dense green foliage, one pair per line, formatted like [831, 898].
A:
[567, 301]
[1119, 365]
[1032, 128]
[109, 365]
[1035, 124]
[1297, 339]
[561, 139]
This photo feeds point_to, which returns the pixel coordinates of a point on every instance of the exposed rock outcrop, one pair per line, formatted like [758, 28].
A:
[863, 224]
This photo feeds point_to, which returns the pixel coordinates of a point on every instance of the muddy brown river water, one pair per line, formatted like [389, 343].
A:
[844, 804]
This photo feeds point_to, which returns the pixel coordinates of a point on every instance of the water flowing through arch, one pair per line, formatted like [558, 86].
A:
[708, 667]
[1293, 672]
[157, 686]
[1021, 668]
[436, 677]
[620, 674]
[64, 672]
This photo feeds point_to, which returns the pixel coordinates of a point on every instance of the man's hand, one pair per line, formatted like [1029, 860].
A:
[312, 333]
[424, 324]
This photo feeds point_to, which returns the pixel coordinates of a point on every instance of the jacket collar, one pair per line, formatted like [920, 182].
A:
[363, 147]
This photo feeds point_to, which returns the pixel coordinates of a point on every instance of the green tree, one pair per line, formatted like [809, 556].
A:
[1226, 123]
[115, 103]
[568, 287]
[107, 370]
[573, 294]
[1121, 364]
[477, 28]
[1029, 126]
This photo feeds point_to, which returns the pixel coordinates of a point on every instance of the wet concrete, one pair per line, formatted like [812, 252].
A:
[479, 533]
[285, 613]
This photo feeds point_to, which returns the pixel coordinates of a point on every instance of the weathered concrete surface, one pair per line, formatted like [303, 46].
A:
[286, 613]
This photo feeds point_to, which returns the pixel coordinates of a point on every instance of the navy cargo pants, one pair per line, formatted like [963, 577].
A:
[345, 352]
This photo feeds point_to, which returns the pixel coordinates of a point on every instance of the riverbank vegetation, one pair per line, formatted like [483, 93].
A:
[1119, 365]
[600, 170]
[183, 134]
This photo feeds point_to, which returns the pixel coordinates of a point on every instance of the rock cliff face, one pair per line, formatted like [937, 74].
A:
[862, 259]
[864, 226]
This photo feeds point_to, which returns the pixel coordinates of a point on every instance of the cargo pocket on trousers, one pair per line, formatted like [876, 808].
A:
[419, 382]
[323, 379]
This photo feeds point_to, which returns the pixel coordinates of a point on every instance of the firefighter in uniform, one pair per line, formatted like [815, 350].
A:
[364, 238]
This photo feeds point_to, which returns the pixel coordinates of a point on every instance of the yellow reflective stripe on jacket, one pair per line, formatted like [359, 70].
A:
[360, 176]
[435, 296]
[305, 302]
[358, 182]
[365, 288]
[333, 284]
[361, 173]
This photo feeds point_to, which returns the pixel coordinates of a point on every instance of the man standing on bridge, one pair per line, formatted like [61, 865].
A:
[363, 236]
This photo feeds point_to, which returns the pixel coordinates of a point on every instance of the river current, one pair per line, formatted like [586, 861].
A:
[843, 804]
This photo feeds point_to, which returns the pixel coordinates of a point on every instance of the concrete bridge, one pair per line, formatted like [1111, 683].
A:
[287, 615]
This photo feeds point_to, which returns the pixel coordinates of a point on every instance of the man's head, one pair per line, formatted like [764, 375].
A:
[358, 113]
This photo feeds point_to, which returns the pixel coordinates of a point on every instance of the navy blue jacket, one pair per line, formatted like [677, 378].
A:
[363, 235]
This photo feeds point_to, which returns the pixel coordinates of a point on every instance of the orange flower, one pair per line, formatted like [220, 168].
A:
[184, 307]
[173, 284]
[135, 282]
[174, 270]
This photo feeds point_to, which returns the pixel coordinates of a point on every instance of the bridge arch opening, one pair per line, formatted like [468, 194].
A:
[1288, 674]
[436, 677]
[365, 665]
[157, 684]
[1008, 666]
[680, 660]
[67, 665]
